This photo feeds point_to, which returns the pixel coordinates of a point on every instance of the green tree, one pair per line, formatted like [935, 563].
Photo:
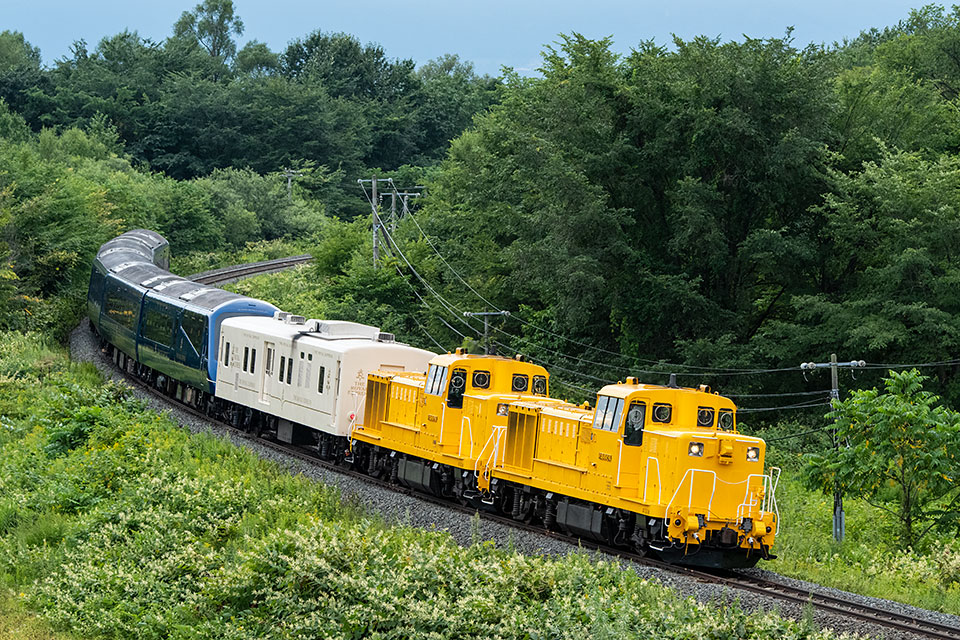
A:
[898, 453]
[211, 25]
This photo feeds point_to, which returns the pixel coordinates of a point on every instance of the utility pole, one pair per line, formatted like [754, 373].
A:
[839, 518]
[375, 210]
[290, 174]
[486, 324]
[376, 223]
[393, 211]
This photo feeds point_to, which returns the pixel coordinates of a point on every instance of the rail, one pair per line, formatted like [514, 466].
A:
[235, 272]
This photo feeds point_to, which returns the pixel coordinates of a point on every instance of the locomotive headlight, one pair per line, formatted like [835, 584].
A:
[695, 449]
[753, 454]
[502, 409]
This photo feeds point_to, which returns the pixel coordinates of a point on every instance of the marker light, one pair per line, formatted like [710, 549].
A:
[695, 449]
[753, 454]
[353, 417]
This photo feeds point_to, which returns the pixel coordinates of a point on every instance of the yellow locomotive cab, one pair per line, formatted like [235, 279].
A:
[657, 468]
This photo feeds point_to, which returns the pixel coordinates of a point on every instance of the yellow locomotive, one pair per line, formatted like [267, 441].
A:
[658, 469]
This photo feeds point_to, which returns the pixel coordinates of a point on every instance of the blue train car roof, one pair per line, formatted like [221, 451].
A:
[139, 245]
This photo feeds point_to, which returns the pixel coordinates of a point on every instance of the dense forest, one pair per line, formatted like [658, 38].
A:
[727, 207]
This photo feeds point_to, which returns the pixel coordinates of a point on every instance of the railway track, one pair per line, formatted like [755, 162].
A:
[733, 579]
[228, 274]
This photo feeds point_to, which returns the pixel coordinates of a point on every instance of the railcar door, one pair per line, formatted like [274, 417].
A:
[267, 371]
[605, 444]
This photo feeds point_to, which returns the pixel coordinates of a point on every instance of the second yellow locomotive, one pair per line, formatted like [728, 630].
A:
[659, 469]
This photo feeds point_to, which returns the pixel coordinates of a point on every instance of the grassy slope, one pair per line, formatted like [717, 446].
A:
[115, 523]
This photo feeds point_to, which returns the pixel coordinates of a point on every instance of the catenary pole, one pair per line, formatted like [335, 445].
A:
[839, 517]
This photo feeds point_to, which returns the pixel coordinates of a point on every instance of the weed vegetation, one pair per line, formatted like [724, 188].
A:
[869, 560]
[116, 523]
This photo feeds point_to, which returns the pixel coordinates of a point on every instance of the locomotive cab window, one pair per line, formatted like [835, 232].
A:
[725, 421]
[539, 385]
[481, 380]
[520, 383]
[633, 426]
[607, 417]
[436, 377]
[705, 416]
[662, 412]
[458, 383]
[226, 354]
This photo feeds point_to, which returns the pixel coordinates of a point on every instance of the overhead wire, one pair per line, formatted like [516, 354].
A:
[457, 313]
[696, 370]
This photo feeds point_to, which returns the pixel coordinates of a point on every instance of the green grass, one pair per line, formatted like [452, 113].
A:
[115, 523]
[18, 623]
[867, 561]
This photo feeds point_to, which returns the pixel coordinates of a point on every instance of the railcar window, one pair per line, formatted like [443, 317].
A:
[520, 383]
[158, 327]
[283, 363]
[290, 371]
[725, 421]
[269, 364]
[540, 385]
[122, 309]
[705, 416]
[323, 371]
[226, 355]
[194, 327]
[246, 357]
[481, 379]
[633, 426]
[253, 361]
[662, 412]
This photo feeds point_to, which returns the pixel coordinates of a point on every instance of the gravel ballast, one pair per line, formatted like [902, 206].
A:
[409, 510]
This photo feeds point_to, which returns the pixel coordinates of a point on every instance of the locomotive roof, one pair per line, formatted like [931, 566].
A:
[474, 360]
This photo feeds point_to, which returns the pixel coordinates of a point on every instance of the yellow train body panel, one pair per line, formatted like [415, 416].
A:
[661, 452]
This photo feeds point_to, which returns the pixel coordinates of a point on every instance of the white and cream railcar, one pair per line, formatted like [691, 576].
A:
[307, 373]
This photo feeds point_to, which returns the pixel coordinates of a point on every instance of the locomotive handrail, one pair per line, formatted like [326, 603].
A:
[691, 473]
[497, 431]
[769, 483]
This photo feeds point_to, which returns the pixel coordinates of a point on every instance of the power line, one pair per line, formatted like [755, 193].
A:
[707, 370]
[774, 395]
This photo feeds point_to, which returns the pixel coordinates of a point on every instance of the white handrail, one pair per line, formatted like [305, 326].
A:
[691, 473]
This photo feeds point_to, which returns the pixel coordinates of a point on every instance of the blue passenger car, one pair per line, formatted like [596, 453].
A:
[169, 325]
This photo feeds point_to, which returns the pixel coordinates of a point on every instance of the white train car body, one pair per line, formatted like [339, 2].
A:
[307, 372]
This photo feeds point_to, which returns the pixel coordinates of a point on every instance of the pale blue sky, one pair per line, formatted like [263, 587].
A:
[491, 33]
